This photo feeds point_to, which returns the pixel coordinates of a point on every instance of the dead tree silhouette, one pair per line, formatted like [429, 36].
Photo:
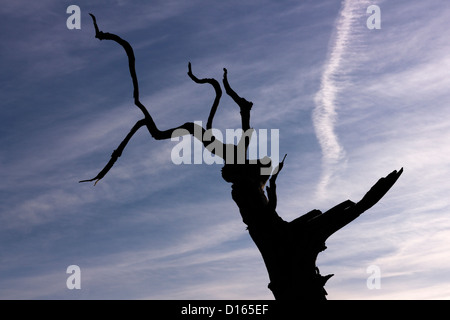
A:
[289, 249]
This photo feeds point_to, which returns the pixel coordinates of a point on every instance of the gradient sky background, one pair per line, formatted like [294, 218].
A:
[351, 104]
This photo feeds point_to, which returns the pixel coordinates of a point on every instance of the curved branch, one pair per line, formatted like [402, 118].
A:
[241, 102]
[150, 123]
[193, 129]
[244, 106]
[218, 90]
[154, 131]
[131, 64]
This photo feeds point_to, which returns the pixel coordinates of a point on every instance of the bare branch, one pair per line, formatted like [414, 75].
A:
[218, 90]
[117, 153]
[189, 127]
[329, 222]
[272, 188]
[131, 64]
[277, 170]
[243, 104]
[213, 145]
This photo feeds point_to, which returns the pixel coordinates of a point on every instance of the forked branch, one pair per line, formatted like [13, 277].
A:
[215, 146]
[187, 128]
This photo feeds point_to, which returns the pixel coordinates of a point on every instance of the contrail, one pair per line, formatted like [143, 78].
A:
[324, 114]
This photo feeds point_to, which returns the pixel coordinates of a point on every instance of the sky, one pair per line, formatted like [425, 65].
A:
[350, 103]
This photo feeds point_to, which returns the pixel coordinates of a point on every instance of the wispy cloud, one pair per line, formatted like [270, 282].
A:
[152, 229]
[396, 101]
[325, 112]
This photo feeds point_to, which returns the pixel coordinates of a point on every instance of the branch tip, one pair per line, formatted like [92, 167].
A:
[90, 180]
[97, 31]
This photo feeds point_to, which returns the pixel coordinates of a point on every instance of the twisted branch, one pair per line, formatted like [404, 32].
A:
[216, 87]
[187, 128]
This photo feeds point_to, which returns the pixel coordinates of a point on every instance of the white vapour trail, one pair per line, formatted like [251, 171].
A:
[324, 114]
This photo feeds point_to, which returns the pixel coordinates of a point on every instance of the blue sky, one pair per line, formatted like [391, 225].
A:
[351, 105]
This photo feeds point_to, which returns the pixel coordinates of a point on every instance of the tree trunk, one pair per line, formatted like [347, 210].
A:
[290, 249]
